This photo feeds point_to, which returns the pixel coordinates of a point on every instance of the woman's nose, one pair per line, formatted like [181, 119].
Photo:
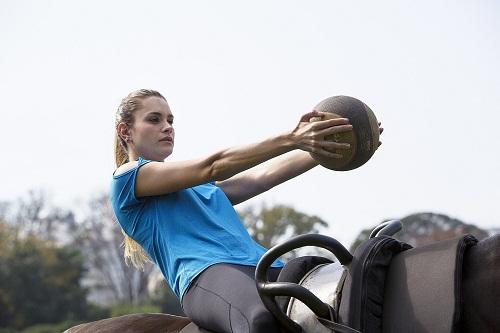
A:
[167, 127]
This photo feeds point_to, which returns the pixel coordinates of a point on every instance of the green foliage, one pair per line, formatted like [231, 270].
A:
[39, 282]
[270, 225]
[165, 299]
[44, 328]
[51, 328]
[96, 312]
[124, 309]
[8, 330]
[425, 228]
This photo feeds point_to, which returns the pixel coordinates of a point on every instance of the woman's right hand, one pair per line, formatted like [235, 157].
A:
[309, 135]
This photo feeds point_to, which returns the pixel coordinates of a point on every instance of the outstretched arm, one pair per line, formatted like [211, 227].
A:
[262, 178]
[164, 177]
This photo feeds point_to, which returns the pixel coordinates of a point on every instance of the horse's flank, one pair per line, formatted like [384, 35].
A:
[481, 290]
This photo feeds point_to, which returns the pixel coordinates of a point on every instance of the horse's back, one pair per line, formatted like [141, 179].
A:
[135, 323]
[481, 293]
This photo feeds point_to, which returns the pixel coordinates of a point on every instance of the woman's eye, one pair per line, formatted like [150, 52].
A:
[170, 121]
[154, 120]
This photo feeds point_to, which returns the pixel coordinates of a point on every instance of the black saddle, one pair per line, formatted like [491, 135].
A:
[386, 285]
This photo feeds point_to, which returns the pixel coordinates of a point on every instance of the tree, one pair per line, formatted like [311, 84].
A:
[424, 228]
[165, 298]
[34, 215]
[6, 307]
[270, 226]
[100, 239]
[39, 281]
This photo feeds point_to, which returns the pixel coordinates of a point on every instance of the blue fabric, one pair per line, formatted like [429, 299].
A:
[183, 232]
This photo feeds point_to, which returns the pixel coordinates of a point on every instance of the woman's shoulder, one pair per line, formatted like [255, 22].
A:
[125, 168]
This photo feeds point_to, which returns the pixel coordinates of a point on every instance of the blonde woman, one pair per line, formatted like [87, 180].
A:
[180, 215]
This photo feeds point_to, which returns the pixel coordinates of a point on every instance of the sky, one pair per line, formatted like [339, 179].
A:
[236, 72]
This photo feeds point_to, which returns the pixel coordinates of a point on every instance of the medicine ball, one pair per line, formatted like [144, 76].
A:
[364, 138]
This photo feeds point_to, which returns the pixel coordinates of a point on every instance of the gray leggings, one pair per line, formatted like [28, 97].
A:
[224, 298]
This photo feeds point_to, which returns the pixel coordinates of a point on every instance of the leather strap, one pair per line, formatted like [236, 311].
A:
[336, 327]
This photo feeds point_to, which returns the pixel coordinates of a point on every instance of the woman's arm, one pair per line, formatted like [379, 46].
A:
[262, 178]
[164, 177]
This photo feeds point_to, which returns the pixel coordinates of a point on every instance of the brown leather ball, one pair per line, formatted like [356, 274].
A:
[364, 138]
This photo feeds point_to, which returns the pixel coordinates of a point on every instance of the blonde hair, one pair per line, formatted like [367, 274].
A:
[133, 252]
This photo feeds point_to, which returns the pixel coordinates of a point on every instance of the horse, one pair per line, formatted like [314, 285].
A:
[407, 292]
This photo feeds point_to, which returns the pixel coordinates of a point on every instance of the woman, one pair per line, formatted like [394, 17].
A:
[180, 215]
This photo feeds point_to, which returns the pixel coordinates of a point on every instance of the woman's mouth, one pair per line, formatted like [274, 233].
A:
[167, 139]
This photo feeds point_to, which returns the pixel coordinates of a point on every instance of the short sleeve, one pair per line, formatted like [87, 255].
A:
[122, 196]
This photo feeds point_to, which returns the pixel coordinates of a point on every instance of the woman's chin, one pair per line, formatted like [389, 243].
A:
[164, 154]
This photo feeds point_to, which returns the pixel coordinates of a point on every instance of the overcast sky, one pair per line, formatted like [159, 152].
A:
[236, 72]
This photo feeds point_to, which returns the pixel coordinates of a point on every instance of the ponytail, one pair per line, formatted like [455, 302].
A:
[133, 252]
[121, 156]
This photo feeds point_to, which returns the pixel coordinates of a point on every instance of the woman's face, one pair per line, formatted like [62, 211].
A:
[152, 133]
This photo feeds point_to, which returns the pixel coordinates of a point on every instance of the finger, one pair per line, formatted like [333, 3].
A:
[327, 153]
[313, 114]
[334, 130]
[313, 119]
[322, 114]
[331, 145]
[319, 125]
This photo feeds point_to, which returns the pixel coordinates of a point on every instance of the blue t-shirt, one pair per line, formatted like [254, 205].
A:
[183, 232]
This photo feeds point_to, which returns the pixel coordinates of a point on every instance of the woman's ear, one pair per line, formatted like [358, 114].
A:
[123, 132]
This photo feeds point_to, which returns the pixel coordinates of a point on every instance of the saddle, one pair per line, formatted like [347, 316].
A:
[423, 288]
[384, 286]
